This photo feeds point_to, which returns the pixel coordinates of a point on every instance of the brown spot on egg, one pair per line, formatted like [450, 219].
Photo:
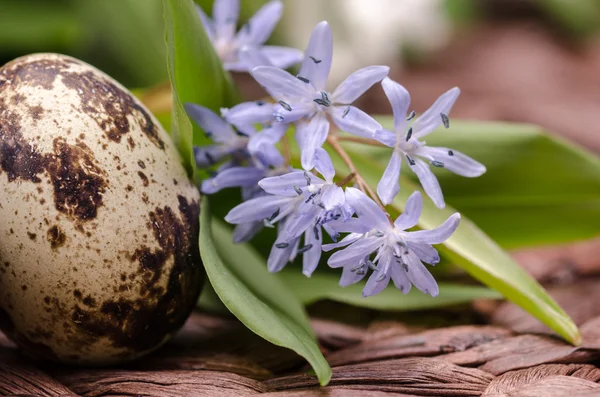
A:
[56, 237]
[140, 324]
[109, 106]
[18, 158]
[141, 164]
[145, 180]
[89, 301]
[17, 99]
[39, 73]
[36, 112]
[32, 236]
[77, 180]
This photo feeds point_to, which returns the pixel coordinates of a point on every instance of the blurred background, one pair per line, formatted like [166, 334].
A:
[532, 61]
[516, 60]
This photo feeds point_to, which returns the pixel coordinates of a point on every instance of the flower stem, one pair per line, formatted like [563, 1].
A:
[286, 150]
[346, 180]
[364, 141]
[333, 141]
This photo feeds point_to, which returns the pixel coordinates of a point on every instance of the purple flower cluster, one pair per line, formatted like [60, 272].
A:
[308, 206]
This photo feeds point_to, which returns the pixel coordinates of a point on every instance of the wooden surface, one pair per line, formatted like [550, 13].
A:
[217, 356]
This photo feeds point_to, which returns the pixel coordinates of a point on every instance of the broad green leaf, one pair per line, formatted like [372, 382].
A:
[322, 286]
[474, 251]
[195, 72]
[538, 189]
[209, 300]
[256, 297]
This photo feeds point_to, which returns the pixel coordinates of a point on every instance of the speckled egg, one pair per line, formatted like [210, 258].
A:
[99, 258]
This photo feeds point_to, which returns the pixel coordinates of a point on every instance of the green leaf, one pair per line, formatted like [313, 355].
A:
[256, 297]
[195, 72]
[538, 189]
[324, 286]
[474, 251]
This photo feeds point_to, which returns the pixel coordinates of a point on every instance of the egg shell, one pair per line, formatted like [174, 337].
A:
[99, 259]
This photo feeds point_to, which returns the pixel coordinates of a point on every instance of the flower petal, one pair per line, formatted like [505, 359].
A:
[350, 277]
[357, 83]
[281, 254]
[283, 185]
[214, 126]
[248, 113]
[247, 59]
[280, 84]
[437, 235]
[257, 209]
[432, 118]
[412, 212]
[400, 278]
[428, 181]
[310, 136]
[380, 278]
[261, 145]
[225, 16]
[454, 161]
[269, 156]
[293, 111]
[311, 257]
[352, 225]
[389, 185]
[375, 284]
[233, 177]
[349, 239]
[299, 221]
[260, 26]
[419, 275]
[367, 209]
[324, 165]
[207, 23]
[388, 138]
[246, 231]
[425, 252]
[207, 156]
[354, 121]
[281, 57]
[332, 197]
[355, 252]
[270, 135]
[400, 100]
[318, 55]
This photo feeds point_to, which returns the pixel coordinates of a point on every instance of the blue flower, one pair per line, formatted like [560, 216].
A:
[303, 205]
[304, 100]
[406, 144]
[252, 156]
[399, 255]
[242, 51]
[241, 142]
